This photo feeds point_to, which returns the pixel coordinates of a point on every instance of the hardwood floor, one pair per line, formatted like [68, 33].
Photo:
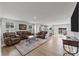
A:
[51, 48]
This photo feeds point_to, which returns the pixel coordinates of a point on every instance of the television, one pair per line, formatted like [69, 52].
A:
[75, 19]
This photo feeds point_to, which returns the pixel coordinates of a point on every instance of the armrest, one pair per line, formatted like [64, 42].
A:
[17, 36]
[7, 38]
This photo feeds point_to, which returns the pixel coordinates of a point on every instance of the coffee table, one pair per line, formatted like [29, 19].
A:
[31, 38]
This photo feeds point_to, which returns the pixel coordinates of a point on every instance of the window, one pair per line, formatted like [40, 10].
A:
[63, 31]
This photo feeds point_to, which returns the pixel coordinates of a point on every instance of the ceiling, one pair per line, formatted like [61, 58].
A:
[40, 12]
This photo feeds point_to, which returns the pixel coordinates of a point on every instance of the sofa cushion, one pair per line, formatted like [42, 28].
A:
[24, 34]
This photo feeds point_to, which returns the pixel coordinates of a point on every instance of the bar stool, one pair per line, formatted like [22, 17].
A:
[72, 43]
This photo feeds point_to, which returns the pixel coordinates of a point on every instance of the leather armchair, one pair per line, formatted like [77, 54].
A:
[41, 34]
[10, 38]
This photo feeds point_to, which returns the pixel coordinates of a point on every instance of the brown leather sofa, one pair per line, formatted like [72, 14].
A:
[10, 38]
[41, 34]
[24, 34]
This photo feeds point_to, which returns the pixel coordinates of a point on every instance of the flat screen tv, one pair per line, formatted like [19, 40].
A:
[75, 19]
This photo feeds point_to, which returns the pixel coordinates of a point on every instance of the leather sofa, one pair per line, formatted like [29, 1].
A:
[10, 38]
[41, 34]
[24, 34]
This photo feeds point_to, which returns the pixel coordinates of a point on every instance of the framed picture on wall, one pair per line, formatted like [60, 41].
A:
[12, 25]
[22, 26]
[30, 26]
[9, 25]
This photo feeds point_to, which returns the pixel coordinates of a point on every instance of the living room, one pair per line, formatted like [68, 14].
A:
[36, 28]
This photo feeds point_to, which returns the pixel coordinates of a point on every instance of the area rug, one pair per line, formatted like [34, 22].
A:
[24, 47]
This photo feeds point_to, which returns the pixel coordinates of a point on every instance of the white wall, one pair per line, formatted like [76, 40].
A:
[76, 34]
[37, 26]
